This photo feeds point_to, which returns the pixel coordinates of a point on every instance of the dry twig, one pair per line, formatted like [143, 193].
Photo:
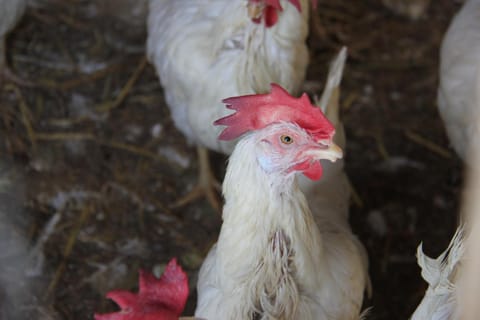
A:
[69, 136]
[382, 150]
[72, 239]
[126, 89]
[83, 79]
[25, 111]
[433, 147]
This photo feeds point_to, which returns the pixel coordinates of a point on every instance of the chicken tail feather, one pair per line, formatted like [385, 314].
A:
[329, 102]
[439, 301]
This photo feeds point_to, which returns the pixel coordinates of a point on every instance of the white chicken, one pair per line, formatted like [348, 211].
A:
[468, 283]
[205, 51]
[453, 278]
[459, 89]
[10, 12]
[276, 259]
[439, 302]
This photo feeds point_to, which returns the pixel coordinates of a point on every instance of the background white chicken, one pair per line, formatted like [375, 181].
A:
[468, 285]
[459, 90]
[206, 51]
[274, 258]
[452, 277]
[10, 12]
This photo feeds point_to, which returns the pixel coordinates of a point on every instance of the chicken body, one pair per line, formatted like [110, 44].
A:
[10, 12]
[459, 89]
[205, 51]
[276, 259]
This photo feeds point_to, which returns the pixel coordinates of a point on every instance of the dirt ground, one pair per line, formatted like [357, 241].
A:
[101, 162]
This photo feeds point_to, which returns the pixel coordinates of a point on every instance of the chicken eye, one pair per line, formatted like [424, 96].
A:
[286, 139]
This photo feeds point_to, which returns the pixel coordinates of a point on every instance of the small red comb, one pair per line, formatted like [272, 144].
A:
[257, 111]
[157, 299]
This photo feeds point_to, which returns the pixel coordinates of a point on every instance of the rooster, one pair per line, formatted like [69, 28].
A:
[157, 299]
[205, 51]
[459, 88]
[10, 12]
[274, 258]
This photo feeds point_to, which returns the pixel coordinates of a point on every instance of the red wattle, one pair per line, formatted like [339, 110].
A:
[314, 171]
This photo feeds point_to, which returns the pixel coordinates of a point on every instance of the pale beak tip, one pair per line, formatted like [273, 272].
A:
[336, 150]
[333, 152]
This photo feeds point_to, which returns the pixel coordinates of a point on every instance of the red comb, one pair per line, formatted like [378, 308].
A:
[257, 111]
[157, 299]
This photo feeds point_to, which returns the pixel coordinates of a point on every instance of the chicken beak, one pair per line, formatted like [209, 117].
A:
[332, 152]
[254, 10]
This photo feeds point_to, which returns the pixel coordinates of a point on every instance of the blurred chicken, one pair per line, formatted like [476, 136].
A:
[205, 51]
[276, 259]
[10, 13]
[459, 89]
[157, 299]
[23, 273]
[453, 278]
[468, 291]
[441, 274]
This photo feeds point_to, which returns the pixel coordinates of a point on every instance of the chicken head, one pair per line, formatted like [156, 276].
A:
[291, 134]
[286, 148]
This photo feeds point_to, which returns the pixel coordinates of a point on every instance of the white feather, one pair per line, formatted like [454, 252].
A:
[335, 74]
[439, 302]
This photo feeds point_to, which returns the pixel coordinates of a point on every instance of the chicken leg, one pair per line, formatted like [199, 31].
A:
[207, 185]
